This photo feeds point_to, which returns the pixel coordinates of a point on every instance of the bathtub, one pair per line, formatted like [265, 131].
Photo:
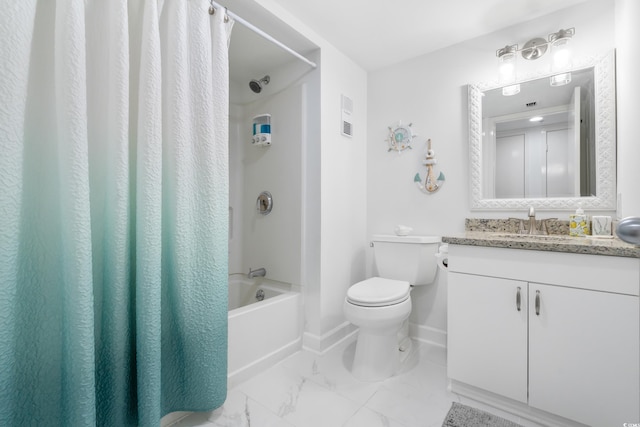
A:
[261, 333]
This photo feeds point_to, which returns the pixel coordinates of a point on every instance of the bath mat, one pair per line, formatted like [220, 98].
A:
[465, 416]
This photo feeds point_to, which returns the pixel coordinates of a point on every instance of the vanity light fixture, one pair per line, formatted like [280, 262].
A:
[507, 69]
[532, 50]
[507, 58]
[561, 59]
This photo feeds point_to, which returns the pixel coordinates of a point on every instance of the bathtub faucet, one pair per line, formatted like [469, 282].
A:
[258, 272]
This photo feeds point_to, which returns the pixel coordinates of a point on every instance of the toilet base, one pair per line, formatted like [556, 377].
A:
[377, 355]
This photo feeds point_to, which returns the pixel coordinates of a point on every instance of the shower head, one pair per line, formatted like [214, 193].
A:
[256, 85]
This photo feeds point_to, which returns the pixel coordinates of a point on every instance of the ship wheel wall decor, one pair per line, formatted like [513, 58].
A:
[400, 137]
[431, 182]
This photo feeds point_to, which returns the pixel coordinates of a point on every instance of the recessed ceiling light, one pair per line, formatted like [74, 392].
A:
[536, 119]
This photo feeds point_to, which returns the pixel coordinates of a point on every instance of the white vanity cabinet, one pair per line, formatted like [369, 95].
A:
[557, 332]
[583, 354]
[487, 335]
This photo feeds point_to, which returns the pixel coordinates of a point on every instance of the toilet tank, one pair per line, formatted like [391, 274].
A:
[408, 258]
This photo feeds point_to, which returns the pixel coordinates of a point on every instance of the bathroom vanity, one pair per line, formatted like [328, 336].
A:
[547, 327]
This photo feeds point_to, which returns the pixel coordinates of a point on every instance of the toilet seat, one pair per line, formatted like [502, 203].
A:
[378, 292]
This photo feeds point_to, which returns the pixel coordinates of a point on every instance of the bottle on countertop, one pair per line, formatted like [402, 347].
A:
[579, 223]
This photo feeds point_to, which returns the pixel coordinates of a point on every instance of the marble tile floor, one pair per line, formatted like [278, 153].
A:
[309, 390]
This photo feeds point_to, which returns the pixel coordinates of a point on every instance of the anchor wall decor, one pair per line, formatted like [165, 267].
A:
[431, 183]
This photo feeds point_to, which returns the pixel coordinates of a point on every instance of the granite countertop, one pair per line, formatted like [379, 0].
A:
[552, 242]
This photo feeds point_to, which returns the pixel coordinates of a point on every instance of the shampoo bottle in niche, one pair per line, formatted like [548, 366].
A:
[579, 223]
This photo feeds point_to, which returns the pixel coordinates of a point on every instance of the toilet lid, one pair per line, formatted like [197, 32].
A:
[377, 292]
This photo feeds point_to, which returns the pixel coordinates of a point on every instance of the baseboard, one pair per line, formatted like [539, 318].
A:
[320, 344]
[428, 334]
[509, 405]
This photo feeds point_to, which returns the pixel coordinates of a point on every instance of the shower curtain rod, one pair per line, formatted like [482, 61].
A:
[262, 33]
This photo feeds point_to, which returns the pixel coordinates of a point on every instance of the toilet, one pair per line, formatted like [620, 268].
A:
[379, 306]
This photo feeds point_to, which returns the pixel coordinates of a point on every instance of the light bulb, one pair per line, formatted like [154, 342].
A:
[507, 64]
[561, 55]
[560, 52]
[507, 68]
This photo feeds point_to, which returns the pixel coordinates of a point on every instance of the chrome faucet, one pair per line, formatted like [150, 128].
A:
[258, 272]
[533, 229]
[535, 226]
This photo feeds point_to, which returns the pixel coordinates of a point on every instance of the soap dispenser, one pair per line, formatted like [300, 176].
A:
[579, 223]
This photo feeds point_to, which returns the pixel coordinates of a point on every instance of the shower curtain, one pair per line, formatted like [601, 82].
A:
[113, 211]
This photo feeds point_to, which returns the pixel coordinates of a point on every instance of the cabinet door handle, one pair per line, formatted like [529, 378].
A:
[518, 298]
[537, 303]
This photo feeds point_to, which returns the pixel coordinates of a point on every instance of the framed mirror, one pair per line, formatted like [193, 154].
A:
[552, 147]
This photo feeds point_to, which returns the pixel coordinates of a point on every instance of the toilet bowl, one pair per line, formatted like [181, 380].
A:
[379, 306]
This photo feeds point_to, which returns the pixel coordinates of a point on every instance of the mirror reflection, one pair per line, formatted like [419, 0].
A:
[540, 142]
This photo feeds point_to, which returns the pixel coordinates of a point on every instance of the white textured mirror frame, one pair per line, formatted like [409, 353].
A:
[605, 131]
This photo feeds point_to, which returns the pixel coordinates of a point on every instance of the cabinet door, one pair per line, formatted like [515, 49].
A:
[487, 334]
[584, 357]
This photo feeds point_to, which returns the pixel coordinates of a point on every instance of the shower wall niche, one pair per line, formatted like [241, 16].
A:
[271, 241]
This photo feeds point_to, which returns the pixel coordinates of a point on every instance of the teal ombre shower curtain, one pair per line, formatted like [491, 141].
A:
[113, 211]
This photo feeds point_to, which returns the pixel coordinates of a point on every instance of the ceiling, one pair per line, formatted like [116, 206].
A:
[373, 34]
[376, 34]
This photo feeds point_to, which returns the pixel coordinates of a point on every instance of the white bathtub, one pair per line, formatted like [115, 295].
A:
[261, 333]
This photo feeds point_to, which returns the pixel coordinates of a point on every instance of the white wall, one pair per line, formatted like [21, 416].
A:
[273, 241]
[628, 89]
[343, 186]
[430, 92]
